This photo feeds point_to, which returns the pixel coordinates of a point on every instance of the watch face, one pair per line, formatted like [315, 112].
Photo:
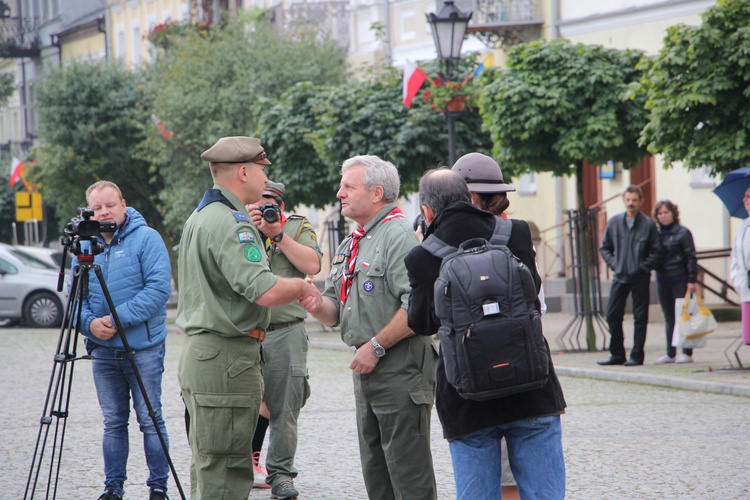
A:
[379, 351]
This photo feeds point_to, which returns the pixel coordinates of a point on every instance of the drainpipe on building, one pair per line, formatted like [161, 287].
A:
[102, 25]
[387, 37]
[559, 219]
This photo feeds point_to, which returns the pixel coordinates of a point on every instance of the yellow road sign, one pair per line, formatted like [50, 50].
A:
[28, 206]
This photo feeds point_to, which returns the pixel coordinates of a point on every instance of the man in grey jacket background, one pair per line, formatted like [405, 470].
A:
[631, 247]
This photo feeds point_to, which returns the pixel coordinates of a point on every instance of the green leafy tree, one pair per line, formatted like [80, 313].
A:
[90, 123]
[558, 105]
[207, 87]
[7, 87]
[312, 130]
[697, 89]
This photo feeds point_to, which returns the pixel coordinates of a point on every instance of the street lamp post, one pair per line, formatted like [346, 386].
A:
[448, 29]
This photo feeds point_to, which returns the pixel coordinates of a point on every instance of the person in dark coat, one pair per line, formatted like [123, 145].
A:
[529, 421]
[676, 275]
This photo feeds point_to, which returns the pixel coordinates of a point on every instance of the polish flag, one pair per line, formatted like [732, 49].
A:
[414, 78]
[16, 170]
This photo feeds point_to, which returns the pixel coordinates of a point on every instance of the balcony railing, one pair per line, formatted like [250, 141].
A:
[19, 37]
[503, 23]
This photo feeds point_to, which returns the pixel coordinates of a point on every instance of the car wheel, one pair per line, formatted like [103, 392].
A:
[43, 310]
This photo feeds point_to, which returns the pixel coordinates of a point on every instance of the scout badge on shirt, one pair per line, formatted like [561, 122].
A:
[246, 237]
[252, 253]
[339, 259]
[368, 286]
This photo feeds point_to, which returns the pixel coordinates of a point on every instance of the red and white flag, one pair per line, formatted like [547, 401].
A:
[414, 78]
[16, 171]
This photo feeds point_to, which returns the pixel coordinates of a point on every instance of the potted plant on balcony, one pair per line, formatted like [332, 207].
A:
[451, 96]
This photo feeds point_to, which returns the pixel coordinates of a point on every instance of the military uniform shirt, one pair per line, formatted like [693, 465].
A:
[223, 269]
[380, 286]
[280, 265]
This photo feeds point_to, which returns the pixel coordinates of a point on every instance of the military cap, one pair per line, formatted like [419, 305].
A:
[236, 149]
[481, 173]
[274, 189]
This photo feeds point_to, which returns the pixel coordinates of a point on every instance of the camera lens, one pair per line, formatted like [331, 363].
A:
[270, 212]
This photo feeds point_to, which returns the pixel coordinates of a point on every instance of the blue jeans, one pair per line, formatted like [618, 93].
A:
[535, 453]
[115, 385]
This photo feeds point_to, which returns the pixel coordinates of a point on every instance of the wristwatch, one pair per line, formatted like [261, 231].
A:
[278, 237]
[377, 348]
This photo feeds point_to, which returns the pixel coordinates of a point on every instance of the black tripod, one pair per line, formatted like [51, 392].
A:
[54, 418]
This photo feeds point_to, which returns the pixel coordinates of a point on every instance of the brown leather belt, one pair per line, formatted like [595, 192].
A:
[279, 326]
[257, 333]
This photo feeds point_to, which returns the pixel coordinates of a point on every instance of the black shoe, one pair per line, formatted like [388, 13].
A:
[158, 494]
[633, 362]
[612, 361]
[110, 495]
[284, 489]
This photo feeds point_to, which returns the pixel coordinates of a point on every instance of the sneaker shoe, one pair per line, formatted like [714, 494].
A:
[259, 473]
[684, 358]
[158, 494]
[110, 495]
[284, 489]
[664, 360]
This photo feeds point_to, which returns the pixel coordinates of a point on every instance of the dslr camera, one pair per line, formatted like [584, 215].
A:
[84, 227]
[270, 212]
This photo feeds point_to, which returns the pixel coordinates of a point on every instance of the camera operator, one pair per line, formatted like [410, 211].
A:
[136, 266]
[293, 251]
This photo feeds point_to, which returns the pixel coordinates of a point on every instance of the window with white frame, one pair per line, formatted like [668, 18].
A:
[120, 42]
[701, 177]
[527, 183]
[405, 22]
[136, 46]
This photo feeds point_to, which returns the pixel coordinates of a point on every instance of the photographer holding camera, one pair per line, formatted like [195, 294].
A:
[136, 265]
[293, 252]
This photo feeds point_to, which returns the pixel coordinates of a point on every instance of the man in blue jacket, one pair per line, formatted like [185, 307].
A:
[631, 247]
[135, 265]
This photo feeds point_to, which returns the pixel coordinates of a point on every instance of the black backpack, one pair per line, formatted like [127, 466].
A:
[491, 333]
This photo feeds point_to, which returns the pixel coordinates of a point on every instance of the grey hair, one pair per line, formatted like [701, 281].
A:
[378, 172]
[438, 192]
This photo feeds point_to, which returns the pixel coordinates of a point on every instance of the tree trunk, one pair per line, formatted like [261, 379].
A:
[586, 260]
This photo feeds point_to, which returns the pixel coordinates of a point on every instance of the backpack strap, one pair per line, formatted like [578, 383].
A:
[437, 247]
[501, 234]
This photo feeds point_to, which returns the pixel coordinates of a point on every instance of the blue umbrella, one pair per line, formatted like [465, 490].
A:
[732, 189]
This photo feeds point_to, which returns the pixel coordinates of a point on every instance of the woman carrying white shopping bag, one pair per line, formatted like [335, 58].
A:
[741, 268]
[677, 274]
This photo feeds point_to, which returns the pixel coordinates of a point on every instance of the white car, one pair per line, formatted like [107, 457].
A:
[28, 289]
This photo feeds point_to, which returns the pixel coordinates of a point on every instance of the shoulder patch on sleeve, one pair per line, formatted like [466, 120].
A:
[252, 253]
[246, 237]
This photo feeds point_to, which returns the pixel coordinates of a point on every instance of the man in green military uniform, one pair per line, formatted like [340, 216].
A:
[293, 251]
[226, 289]
[367, 293]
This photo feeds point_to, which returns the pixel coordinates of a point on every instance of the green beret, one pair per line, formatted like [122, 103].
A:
[274, 189]
[236, 149]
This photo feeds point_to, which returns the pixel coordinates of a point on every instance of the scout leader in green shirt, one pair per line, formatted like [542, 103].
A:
[226, 289]
[367, 292]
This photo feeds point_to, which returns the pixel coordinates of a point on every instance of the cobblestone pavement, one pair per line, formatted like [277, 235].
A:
[621, 440]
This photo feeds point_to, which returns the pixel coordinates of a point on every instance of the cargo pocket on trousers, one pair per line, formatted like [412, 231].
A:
[424, 400]
[301, 385]
[225, 424]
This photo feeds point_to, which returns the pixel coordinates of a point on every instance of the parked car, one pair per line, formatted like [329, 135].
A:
[52, 255]
[28, 289]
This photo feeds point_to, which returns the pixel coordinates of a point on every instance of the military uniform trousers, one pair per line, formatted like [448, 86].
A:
[286, 389]
[222, 387]
[394, 406]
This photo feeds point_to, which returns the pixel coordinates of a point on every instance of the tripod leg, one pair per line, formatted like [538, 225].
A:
[57, 401]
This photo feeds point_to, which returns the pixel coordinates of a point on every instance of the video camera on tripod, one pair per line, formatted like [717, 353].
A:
[83, 227]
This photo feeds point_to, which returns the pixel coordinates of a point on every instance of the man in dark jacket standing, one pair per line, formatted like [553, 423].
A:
[530, 421]
[631, 247]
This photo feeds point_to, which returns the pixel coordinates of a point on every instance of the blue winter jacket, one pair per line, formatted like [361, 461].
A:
[136, 269]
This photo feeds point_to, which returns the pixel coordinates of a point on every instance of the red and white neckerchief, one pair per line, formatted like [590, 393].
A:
[351, 254]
